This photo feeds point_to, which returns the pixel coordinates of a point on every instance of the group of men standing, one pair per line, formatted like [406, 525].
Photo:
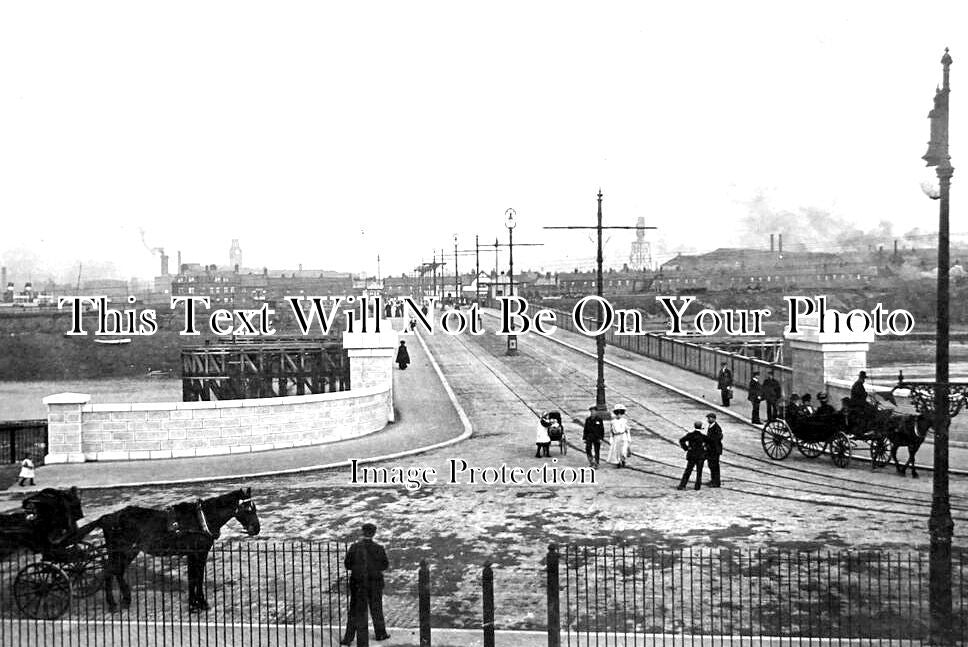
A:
[702, 448]
[769, 390]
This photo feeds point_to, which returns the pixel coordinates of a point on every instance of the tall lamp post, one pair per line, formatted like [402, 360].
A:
[940, 525]
[511, 223]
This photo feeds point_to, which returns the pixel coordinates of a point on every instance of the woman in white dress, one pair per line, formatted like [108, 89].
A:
[26, 471]
[542, 439]
[620, 446]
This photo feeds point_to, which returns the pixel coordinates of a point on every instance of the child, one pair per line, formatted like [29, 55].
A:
[26, 471]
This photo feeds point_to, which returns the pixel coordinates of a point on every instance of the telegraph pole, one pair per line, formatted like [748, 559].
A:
[600, 406]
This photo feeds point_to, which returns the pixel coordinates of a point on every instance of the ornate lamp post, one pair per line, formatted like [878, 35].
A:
[936, 396]
[511, 223]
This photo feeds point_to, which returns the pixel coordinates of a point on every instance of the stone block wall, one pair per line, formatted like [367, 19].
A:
[79, 431]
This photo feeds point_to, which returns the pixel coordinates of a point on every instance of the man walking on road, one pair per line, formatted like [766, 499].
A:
[365, 560]
[772, 392]
[695, 445]
[593, 435]
[714, 447]
[724, 382]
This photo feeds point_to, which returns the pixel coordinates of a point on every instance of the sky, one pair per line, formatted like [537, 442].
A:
[327, 134]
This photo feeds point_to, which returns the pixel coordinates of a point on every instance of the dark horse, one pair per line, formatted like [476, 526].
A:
[907, 430]
[186, 529]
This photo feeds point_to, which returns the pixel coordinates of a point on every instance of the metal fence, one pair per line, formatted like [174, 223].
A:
[296, 593]
[19, 438]
[697, 358]
[259, 594]
[642, 595]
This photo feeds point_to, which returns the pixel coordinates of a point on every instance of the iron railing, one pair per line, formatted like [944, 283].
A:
[696, 358]
[20, 438]
[644, 595]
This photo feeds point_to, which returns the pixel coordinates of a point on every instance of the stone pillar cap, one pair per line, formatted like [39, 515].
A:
[68, 398]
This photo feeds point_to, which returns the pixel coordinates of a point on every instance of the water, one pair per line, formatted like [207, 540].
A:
[24, 400]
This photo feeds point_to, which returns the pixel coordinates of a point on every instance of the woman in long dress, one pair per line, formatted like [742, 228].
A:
[620, 445]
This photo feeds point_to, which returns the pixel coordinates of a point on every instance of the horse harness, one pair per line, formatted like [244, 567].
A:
[175, 527]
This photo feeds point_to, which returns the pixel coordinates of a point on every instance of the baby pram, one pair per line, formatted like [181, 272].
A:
[556, 430]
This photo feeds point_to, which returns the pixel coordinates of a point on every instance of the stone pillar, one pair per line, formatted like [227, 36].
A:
[818, 358]
[371, 358]
[64, 436]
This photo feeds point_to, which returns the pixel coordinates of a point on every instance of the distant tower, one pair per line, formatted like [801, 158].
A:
[641, 256]
[235, 254]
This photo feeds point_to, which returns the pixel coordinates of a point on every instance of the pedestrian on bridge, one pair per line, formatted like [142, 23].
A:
[772, 393]
[714, 448]
[724, 382]
[755, 395]
[620, 447]
[403, 356]
[593, 434]
[695, 445]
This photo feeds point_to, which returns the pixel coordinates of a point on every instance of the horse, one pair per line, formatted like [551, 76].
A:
[187, 529]
[907, 430]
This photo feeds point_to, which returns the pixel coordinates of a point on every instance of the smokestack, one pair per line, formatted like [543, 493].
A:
[3, 276]
[780, 244]
[895, 247]
[771, 243]
[164, 264]
[179, 262]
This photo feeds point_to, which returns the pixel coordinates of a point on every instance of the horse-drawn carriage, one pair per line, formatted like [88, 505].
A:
[840, 432]
[69, 567]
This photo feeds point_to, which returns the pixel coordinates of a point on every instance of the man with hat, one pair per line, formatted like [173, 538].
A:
[824, 408]
[772, 393]
[755, 395]
[695, 445]
[724, 382]
[593, 434]
[365, 560]
[714, 448]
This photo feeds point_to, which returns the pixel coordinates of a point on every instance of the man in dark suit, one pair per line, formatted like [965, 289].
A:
[724, 382]
[755, 395]
[695, 445]
[772, 393]
[714, 447]
[365, 560]
[593, 434]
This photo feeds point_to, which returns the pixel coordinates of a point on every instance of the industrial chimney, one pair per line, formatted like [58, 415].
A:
[164, 263]
[779, 244]
[771, 243]
[179, 262]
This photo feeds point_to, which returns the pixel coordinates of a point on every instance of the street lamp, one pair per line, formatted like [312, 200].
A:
[511, 223]
[940, 524]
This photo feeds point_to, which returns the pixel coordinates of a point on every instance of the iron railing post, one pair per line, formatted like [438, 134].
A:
[554, 602]
[488, 601]
[423, 595]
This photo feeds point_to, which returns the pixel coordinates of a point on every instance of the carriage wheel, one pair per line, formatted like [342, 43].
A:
[42, 590]
[810, 449]
[880, 451]
[840, 449]
[87, 569]
[777, 439]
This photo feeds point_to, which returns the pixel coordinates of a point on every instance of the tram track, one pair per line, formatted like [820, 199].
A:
[786, 481]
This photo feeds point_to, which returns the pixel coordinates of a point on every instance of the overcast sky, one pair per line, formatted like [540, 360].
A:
[328, 133]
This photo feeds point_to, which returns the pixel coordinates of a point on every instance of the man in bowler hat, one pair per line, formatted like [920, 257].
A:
[772, 393]
[755, 396]
[695, 445]
[365, 560]
[593, 434]
[714, 447]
